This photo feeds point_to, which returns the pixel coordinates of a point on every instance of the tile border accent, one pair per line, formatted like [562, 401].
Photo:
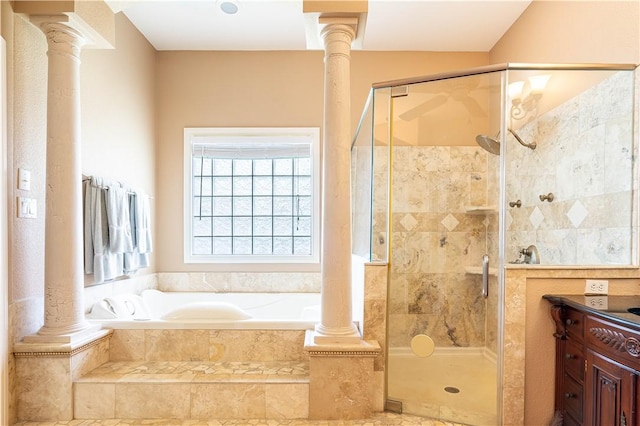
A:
[62, 353]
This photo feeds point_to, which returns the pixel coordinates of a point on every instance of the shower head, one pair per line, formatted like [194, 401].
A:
[492, 145]
[489, 144]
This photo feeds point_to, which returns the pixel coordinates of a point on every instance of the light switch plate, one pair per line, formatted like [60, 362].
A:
[27, 208]
[24, 180]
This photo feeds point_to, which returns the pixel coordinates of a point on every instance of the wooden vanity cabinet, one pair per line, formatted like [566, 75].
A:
[597, 367]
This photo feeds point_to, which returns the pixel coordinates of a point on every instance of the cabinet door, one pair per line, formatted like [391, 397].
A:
[611, 392]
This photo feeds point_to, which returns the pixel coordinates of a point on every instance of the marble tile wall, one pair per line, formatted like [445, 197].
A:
[304, 282]
[207, 345]
[584, 157]
[435, 239]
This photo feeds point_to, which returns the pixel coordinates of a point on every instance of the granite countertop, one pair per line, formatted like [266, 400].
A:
[611, 307]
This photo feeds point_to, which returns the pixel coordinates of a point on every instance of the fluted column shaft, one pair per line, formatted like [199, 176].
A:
[64, 280]
[336, 320]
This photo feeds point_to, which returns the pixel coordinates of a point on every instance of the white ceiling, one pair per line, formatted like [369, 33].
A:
[419, 25]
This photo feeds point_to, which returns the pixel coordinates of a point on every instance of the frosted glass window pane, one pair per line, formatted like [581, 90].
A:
[221, 226]
[221, 186]
[303, 206]
[201, 186]
[242, 226]
[242, 245]
[282, 185]
[283, 166]
[282, 206]
[282, 245]
[207, 167]
[242, 167]
[302, 226]
[302, 245]
[262, 245]
[195, 166]
[201, 206]
[262, 206]
[222, 245]
[242, 186]
[202, 245]
[282, 225]
[242, 206]
[303, 166]
[263, 167]
[262, 185]
[222, 167]
[222, 206]
[262, 225]
[202, 227]
[302, 186]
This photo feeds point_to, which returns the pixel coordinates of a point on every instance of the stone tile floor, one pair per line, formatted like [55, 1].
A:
[380, 419]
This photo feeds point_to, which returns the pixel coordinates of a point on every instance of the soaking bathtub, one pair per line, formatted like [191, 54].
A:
[155, 309]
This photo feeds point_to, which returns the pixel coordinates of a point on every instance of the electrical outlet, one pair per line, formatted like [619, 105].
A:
[596, 287]
[597, 302]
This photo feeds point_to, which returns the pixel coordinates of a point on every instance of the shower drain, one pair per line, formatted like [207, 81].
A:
[452, 389]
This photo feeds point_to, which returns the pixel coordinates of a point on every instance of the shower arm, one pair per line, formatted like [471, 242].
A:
[531, 145]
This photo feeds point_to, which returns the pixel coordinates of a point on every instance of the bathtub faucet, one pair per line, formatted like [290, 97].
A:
[531, 255]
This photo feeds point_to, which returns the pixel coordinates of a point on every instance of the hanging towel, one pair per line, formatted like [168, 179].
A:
[117, 206]
[98, 259]
[140, 230]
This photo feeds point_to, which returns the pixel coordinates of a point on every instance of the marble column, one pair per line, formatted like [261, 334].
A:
[64, 279]
[336, 324]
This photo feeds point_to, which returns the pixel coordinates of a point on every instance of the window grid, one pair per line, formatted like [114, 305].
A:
[203, 181]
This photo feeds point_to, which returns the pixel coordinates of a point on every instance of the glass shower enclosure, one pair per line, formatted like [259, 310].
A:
[456, 177]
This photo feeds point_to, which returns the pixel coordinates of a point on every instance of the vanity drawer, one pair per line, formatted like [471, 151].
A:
[572, 397]
[614, 341]
[574, 361]
[574, 324]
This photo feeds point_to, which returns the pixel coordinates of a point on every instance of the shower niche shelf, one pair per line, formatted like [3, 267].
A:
[477, 270]
[480, 210]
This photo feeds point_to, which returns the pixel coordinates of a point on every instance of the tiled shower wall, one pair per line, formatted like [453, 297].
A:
[435, 241]
[584, 157]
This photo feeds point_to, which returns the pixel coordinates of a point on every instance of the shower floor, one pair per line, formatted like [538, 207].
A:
[420, 384]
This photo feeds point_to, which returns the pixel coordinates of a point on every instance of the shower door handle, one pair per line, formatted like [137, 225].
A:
[485, 276]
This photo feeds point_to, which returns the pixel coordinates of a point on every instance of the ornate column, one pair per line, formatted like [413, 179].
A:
[336, 324]
[64, 279]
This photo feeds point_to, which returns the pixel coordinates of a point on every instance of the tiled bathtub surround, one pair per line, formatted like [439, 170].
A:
[305, 282]
[207, 345]
[584, 157]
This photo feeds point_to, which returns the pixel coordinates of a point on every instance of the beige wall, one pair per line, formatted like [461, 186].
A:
[565, 32]
[252, 89]
[118, 114]
[551, 31]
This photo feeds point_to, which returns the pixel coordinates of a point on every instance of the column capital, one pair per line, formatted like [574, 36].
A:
[61, 35]
[345, 26]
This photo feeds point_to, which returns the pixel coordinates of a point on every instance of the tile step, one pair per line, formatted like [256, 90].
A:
[199, 371]
[194, 390]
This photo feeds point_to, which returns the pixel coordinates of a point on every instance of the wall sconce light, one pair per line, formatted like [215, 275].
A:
[525, 95]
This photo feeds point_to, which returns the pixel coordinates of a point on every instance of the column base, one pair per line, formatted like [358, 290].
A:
[329, 336]
[73, 338]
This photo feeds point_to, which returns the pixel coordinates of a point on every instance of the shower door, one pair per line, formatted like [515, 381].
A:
[443, 223]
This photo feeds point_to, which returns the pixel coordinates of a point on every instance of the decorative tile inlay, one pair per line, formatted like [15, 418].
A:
[536, 218]
[450, 222]
[409, 222]
[577, 213]
[508, 220]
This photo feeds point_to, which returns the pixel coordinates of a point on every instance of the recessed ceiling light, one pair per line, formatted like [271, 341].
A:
[229, 7]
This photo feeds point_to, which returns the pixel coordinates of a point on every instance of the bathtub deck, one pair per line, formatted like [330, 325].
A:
[197, 371]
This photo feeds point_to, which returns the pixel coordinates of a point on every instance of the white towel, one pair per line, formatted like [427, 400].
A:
[140, 225]
[117, 206]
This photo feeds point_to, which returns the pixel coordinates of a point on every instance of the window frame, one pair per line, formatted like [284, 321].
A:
[193, 133]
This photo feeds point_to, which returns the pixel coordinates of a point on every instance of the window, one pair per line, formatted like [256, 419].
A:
[251, 195]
